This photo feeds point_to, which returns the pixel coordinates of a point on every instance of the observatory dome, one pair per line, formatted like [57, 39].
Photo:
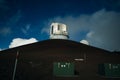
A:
[58, 31]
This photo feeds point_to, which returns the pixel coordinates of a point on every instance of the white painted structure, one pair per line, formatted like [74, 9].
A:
[58, 31]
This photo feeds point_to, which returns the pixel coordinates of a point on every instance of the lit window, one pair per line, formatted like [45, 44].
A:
[63, 69]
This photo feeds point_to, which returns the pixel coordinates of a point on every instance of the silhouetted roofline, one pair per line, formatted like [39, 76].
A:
[53, 42]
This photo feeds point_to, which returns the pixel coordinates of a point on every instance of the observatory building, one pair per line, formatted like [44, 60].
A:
[58, 31]
[59, 59]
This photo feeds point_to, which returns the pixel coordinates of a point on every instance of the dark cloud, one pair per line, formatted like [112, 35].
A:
[105, 28]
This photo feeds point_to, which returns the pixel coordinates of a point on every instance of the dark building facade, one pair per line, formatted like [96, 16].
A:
[59, 60]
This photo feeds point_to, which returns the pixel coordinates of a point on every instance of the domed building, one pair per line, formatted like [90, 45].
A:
[59, 58]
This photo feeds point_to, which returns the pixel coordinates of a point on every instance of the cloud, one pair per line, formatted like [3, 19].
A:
[101, 29]
[5, 31]
[19, 41]
[13, 20]
[0, 49]
[84, 42]
[26, 29]
[104, 31]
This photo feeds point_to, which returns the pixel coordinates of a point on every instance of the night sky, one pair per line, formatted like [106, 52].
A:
[95, 21]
